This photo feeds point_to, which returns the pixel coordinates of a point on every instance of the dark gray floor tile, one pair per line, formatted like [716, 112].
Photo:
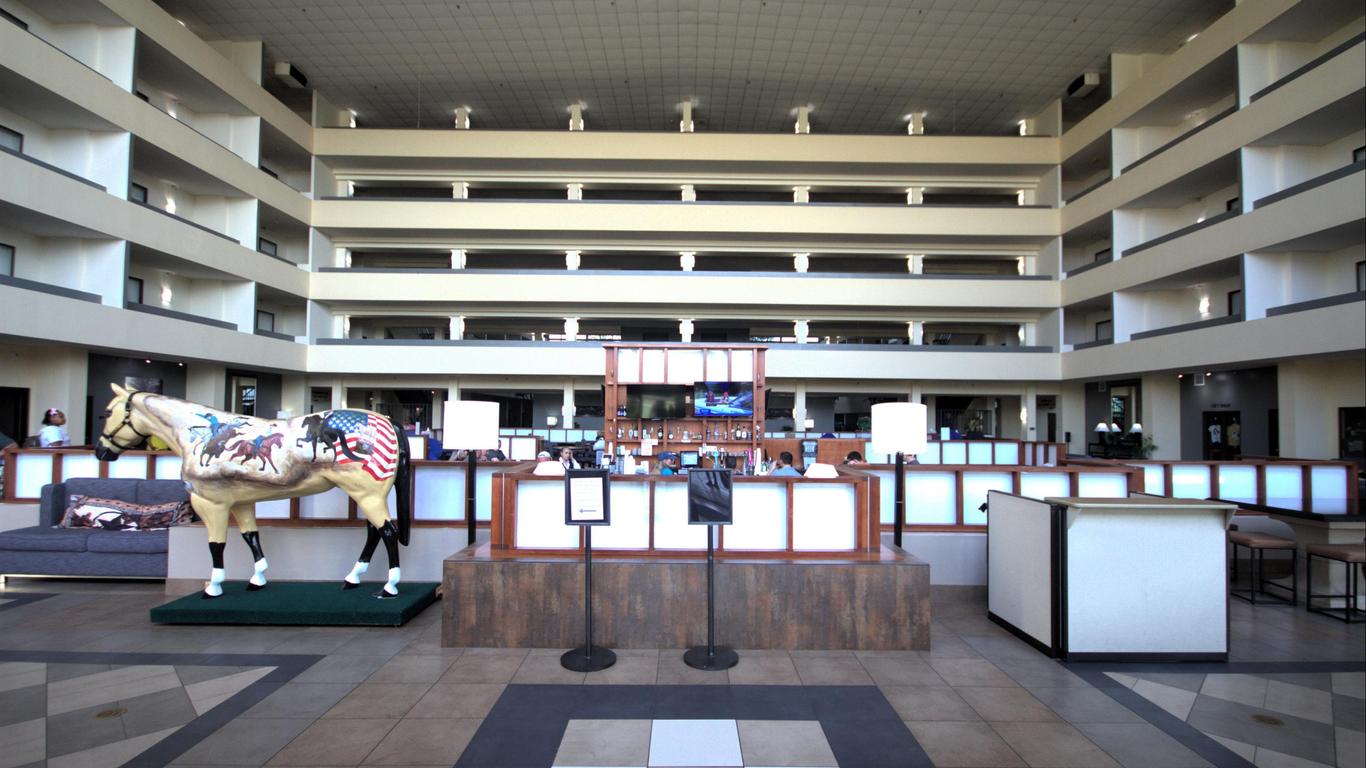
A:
[156, 711]
[58, 672]
[81, 729]
[1349, 712]
[1263, 728]
[1085, 705]
[23, 704]
[1141, 745]
[245, 742]
[1322, 681]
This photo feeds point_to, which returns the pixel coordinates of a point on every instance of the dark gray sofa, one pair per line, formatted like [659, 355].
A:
[45, 550]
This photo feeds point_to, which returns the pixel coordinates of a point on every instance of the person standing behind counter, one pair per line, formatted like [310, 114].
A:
[783, 466]
[53, 433]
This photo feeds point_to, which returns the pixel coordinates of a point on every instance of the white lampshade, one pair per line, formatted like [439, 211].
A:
[1136, 428]
[471, 424]
[899, 428]
[822, 471]
[1115, 427]
[1102, 426]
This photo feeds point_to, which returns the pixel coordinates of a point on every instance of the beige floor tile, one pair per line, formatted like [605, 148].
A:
[457, 701]
[208, 694]
[974, 672]
[929, 703]
[1057, 745]
[632, 668]
[764, 670]
[831, 670]
[672, 671]
[334, 742]
[785, 743]
[104, 687]
[1173, 700]
[900, 670]
[547, 669]
[413, 669]
[605, 743]
[476, 665]
[1244, 689]
[1007, 705]
[382, 700]
[23, 743]
[424, 742]
[964, 745]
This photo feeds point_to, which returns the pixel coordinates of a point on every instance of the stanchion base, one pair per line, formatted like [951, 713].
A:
[724, 657]
[596, 660]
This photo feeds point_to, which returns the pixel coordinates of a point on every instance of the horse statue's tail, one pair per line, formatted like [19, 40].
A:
[403, 487]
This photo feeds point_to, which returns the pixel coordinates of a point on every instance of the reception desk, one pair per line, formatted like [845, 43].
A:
[1139, 578]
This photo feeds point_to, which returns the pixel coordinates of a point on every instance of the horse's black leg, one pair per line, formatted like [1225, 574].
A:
[216, 555]
[258, 556]
[372, 536]
[390, 535]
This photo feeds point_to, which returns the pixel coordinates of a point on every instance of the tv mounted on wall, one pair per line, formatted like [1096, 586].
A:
[723, 398]
[654, 401]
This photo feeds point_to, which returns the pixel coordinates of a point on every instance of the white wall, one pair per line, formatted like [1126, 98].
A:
[98, 156]
[107, 50]
[1310, 392]
[1261, 64]
[1134, 226]
[55, 377]
[1129, 144]
[1271, 169]
[1277, 279]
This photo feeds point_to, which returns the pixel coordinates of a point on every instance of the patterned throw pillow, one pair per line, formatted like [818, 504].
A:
[115, 515]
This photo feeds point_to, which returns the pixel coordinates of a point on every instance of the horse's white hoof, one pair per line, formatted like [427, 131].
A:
[212, 590]
[391, 586]
[258, 579]
[352, 579]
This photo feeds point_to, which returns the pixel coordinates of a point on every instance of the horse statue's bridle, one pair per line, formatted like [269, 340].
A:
[127, 424]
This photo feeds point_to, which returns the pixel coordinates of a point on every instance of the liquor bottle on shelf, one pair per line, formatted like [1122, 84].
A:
[618, 433]
[671, 435]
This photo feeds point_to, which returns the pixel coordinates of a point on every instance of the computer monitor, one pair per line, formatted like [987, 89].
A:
[687, 458]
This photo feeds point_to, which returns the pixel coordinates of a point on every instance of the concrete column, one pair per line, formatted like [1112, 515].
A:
[341, 257]
[457, 327]
[915, 195]
[348, 188]
[1161, 413]
[799, 407]
[294, 394]
[576, 117]
[801, 194]
[567, 409]
[915, 263]
[344, 329]
[916, 392]
[206, 384]
[915, 124]
[689, 193]
[460, 190]
[801, 329]
[801, 262]
[1027, 265]
[575, 191]
[687, 260]
[338, 393]
[1029, 402]
[458, 258]
[571, 260]
[1072, 416]
[915, 331]
[685, 125]
[452, 390]
[685, 330]
[462, 118]
[1029, 334]
[571, 329]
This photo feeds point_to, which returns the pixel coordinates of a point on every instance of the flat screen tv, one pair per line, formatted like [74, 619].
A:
[723, 398]
[646, 401]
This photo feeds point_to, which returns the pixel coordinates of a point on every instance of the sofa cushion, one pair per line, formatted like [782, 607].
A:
[122, 489]
[115, 515]
[144, 542]
[161, 491]
[43, 539]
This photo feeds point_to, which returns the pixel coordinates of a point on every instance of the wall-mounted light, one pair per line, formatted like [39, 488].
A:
[551, 421]
[1024, 414]
[166, 294]
[351, 118]
[1204, 306]
[1024, 127]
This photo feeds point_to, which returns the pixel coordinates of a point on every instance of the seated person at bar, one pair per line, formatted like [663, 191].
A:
[854, 457]
[543, 456]
[494, 454]
[783, 466]
[668, 463]
[567, 458]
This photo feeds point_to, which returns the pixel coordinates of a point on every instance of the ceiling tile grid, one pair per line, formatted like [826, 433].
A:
[974, 66]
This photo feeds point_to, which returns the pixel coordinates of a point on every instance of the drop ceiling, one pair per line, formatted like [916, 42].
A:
[975, 66]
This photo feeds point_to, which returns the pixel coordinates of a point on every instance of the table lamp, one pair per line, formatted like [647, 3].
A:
[473, 426]
[899, 428]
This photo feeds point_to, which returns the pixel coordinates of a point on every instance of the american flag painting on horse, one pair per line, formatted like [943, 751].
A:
[229, 462]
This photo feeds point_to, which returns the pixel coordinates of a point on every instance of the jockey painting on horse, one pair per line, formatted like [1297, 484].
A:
[229, 462]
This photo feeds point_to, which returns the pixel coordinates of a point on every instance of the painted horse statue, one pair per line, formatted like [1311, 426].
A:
[229, 462]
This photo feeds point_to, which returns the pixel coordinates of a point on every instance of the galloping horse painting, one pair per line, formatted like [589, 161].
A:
[229, 462]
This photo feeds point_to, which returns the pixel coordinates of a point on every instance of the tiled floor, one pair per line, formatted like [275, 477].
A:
[86, 681]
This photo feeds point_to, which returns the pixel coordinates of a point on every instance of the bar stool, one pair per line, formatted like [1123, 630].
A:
[1257, 544]
[1351, 556]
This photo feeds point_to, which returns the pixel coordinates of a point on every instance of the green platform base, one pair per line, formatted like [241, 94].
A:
[307, 603]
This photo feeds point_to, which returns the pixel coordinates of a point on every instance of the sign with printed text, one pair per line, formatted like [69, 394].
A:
[587, 497]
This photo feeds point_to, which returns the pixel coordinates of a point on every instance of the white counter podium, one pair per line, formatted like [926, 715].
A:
[1140, 578]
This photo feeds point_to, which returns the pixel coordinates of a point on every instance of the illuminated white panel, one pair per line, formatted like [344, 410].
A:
[718, 369]
[1284, 487]
[86, 465]
[742, 365]
[439, 492]
[523, 449]
[129, 467]
[332, 504]
[979, 453]
[1053, 455]
[32, 471]
[953, 453]
[273, 510]
[1102, 485]
[630, 528]
[652, 365]
[930, 498]
[685, 366]
[168, 467]
[886, 494]
[975, 487]
[824, 518]
[483, 493]
[1154, 479]
[760, 517]
[1328, 482]
[540, 517]
[1007, 453]
[1238, 483]
[932, 455]
[1190, 481]
[671, 519]
[873, 457]
[1041, 485]
[559, 435]
[628, 366]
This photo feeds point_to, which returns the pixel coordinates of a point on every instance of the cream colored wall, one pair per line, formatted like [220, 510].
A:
[1161, 404]
[1310, 393]
[55, 377]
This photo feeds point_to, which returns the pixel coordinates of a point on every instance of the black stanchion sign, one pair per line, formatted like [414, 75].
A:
[587, 503]
[710, 503]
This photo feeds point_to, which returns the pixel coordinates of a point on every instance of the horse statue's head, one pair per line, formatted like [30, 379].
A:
[119, 433]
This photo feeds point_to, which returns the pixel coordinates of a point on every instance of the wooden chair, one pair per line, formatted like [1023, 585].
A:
[1257, 545]
[1351, 556]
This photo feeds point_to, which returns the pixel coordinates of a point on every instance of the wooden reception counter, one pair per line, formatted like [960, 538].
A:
[801, 567]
